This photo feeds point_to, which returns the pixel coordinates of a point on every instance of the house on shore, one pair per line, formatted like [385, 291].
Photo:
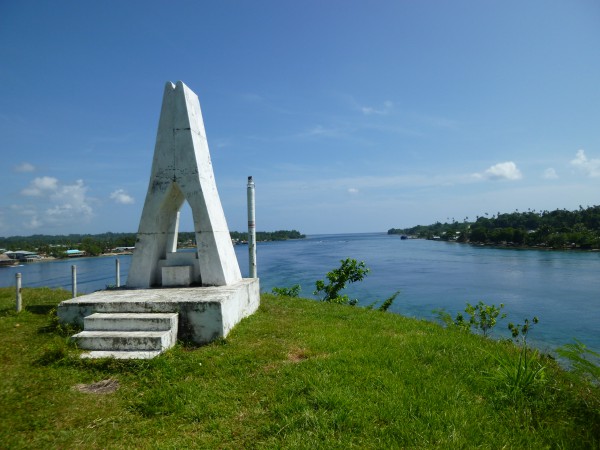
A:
[123, 249]
[6, 261]
[23, 256]
[73, 253]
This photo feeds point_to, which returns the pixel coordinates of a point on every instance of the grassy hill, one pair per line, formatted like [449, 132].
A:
[297, 374]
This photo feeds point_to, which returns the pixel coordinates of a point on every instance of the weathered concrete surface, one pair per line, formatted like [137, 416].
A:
[205, 313]
[177, 276]
[124, 340]
[116, 354]
[179, 259]
[131, 322]
[182, 170]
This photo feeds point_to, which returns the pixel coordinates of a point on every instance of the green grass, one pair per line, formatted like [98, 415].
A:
[297, 374]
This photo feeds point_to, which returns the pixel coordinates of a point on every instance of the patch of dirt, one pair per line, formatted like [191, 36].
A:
[101, 387]
[270, 367]
[297, 355]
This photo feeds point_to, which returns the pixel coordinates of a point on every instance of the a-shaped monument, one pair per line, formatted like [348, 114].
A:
[192, 296]
[182, 170]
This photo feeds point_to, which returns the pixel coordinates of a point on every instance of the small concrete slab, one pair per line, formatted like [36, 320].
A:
[205, 313]
[124, 340]
[120, 354]
[131, 322]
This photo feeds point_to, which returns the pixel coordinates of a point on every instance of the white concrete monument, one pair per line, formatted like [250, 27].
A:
[140, 321]
[182, 170]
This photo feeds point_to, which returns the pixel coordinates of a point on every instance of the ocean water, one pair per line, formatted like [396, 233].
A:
[561, 288]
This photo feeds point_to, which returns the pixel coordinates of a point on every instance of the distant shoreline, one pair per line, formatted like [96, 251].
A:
[510, 246]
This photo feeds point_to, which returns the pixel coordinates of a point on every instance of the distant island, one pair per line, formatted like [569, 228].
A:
[558, 229]
[264, 236]
[98, 244]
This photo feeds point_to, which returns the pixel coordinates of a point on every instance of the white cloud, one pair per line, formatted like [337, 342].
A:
[264, 102]
[502, 171]
[367, 182]
[33, 223]
[321, 131]
[252, 97]
[221, 142]
[368, 110]
[40, 186]
[550, 174]
[69, 201]
[122, 197]
[590, 167]
[24, 167]
[54, 204]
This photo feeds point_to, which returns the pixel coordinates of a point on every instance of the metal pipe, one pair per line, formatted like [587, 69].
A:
[74, 280]
[118, 272]
[251, 229]
[18, 292]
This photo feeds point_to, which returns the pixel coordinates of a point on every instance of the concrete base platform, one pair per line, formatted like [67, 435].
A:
[205, 313]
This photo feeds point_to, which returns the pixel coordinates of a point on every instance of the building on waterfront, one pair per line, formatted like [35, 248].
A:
[22, 255]
[6, 261]
[123, 249]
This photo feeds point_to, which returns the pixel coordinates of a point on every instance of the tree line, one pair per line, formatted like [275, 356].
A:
[558, 229]
[96, 244]
[263, 236]
[56, 245]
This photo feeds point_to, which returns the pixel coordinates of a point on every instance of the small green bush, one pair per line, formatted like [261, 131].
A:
[481, 317]
[293, 291]
[350, 271]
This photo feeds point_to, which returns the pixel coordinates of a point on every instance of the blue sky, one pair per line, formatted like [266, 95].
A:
[351, 116]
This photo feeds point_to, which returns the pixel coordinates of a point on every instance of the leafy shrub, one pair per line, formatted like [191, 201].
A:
[481, 316]
[350, 271]
[293, 291]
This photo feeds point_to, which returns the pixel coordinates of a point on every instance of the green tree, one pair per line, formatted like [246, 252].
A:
[519, 236]
[557, 229]
[479, 234]
[91, 246]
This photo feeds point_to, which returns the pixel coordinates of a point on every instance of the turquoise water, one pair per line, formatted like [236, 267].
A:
[561, 288]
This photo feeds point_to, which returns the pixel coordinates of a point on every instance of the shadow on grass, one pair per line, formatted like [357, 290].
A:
[40, 309]
[7, 311]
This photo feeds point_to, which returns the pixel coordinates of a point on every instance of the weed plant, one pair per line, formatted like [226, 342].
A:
[584, 361]
[519, 377]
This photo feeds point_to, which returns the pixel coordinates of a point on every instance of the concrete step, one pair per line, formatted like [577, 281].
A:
[120, 354]
[131, 322]
[127, 335]
[124, 340]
